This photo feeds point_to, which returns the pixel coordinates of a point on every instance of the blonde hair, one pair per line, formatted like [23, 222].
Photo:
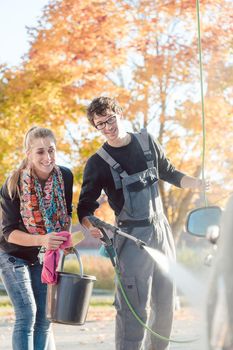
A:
[35, 132]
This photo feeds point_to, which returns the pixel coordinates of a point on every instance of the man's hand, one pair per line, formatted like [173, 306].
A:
[194, 183]
[203, 185]
[94, 231]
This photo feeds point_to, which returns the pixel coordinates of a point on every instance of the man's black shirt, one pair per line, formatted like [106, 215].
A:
[97, 174]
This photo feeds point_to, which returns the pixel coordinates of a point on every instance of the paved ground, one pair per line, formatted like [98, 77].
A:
[98, 331]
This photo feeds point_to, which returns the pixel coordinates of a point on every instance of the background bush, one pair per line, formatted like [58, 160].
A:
[97, 266]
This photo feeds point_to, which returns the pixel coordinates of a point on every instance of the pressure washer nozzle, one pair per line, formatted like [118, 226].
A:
[140, 243]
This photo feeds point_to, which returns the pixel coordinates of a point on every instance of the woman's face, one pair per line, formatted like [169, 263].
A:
[42, 156]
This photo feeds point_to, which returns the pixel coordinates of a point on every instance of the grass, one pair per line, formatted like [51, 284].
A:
[5, 302]
[103, 302]
[95, 301]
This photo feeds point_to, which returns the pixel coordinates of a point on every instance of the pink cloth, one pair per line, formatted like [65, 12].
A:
[51, 259]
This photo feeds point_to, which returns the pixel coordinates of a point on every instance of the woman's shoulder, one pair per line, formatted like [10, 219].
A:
[66, 172]
[67, 176]
[4, 192]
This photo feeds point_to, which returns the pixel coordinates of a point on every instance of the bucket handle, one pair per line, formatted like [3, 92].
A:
[75, 251]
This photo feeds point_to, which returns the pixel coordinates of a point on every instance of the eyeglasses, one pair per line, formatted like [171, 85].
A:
[109, 121]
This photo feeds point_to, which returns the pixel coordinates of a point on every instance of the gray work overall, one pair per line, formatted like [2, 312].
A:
[149, 291]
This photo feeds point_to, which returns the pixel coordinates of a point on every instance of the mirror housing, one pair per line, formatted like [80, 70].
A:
[203, 220]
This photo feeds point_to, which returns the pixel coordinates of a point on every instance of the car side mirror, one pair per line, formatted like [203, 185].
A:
[200, 221]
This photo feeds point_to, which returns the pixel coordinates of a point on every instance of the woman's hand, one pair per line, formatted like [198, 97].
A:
[52, 241]
[69, 250]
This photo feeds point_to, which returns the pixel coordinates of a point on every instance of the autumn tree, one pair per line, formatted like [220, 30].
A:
[165, 91]
[144, 53]
[73, 49]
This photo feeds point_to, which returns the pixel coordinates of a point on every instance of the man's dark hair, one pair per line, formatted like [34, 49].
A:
[101, 106]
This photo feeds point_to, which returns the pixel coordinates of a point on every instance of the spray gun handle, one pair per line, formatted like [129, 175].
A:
[101, 224]
[108, 246]
[105, 237]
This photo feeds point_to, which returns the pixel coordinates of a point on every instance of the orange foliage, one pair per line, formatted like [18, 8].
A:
[77, 52]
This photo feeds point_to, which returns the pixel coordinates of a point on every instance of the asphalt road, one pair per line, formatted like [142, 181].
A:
[98, 331]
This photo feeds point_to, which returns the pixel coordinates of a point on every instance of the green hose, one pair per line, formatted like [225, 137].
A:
[139, 319]
[202, 99]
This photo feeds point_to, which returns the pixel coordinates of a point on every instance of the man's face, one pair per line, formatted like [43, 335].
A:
[110, 125]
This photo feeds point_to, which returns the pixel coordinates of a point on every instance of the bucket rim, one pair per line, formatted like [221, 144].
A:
[71, 274]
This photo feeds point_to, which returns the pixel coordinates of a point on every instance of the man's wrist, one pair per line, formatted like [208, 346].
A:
[198, 183]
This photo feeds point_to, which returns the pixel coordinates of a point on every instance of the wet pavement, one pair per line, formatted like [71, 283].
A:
[98, 331]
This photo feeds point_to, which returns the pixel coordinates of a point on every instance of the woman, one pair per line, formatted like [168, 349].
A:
[36, 203]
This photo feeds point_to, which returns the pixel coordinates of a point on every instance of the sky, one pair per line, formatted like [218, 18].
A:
[15, 16]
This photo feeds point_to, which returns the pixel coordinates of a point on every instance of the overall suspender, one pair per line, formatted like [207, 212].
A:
[116, 169]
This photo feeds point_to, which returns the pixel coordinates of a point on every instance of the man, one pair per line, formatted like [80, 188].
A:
[128, 168]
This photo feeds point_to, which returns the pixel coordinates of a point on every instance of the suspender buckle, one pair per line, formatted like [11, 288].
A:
[118, 168]
[148, 155]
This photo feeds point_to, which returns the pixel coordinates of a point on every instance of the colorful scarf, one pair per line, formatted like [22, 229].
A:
[43, 210]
